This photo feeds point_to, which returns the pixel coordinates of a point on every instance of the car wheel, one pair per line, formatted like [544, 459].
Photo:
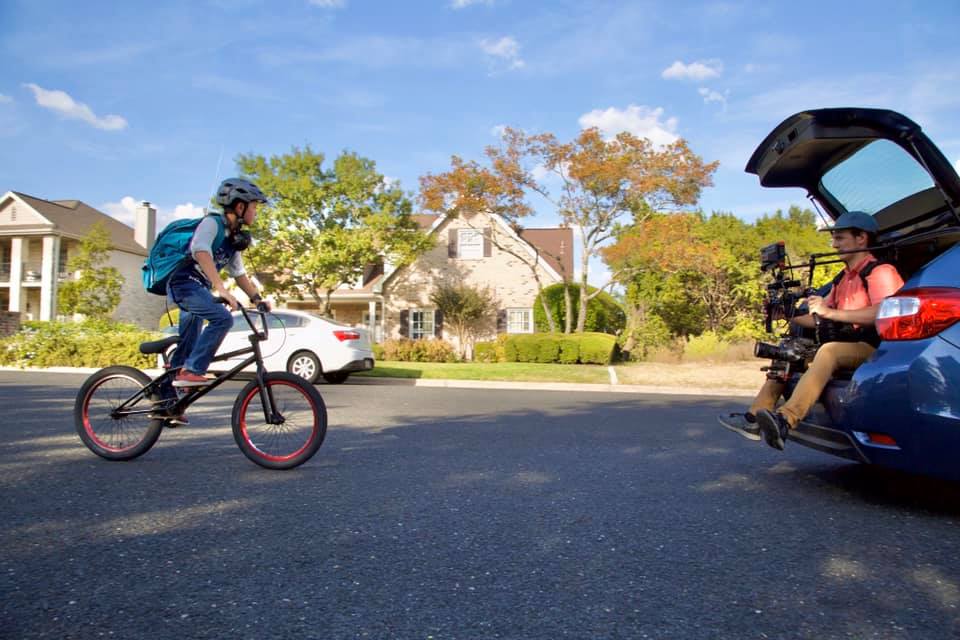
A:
[336, 377]
[304, 364]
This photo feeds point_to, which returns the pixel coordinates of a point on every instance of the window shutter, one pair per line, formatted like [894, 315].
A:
[452, 243]
[501, 320]
[404, 324]
[487, 242]
[438, 323]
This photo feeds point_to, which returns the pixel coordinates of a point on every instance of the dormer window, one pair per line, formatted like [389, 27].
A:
[470, 244]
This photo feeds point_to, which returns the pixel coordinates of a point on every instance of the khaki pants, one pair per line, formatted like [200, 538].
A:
[829, 358]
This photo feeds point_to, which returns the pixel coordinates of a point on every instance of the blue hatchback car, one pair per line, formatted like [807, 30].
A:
[901, 408]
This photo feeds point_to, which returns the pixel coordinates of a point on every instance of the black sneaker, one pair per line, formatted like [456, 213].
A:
[774, 428]
[738, 423]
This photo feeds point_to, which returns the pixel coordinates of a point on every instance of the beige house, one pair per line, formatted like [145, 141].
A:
[37, 239]
[482, 251]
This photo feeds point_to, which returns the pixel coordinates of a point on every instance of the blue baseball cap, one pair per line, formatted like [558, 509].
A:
[855, 220]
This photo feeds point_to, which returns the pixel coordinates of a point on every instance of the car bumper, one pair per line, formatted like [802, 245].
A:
[909, 391]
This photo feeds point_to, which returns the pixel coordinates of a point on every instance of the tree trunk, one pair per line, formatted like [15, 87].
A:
[582, 311]
[567, 308]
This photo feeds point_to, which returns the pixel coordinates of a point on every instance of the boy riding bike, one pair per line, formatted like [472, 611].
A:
[190, 285]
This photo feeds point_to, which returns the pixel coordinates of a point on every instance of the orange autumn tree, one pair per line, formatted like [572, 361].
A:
[602, 181]
[500, 189]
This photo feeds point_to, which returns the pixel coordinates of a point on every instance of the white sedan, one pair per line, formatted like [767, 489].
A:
[304, 344]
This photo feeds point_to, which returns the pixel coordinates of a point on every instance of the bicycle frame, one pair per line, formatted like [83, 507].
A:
[195, 393]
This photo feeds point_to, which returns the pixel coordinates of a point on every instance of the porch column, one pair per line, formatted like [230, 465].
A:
[16, 273]
[372, 321]
[48, 277]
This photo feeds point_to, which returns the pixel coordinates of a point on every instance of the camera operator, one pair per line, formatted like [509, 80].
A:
[844, 322]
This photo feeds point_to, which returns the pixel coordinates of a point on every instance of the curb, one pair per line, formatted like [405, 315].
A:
[477, 384]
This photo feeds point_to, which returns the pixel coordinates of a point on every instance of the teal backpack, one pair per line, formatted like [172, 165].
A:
[171, 250]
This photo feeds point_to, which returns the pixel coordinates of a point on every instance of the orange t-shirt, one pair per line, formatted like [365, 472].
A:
[849, 294]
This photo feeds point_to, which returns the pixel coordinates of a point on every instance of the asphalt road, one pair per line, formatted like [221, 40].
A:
[451, 513]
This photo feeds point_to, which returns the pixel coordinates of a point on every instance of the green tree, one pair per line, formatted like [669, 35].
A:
[466, 309]
[604, 313]
[324, 226]
[96, 293]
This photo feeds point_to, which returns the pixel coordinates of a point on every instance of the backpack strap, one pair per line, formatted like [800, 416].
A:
[221, 229]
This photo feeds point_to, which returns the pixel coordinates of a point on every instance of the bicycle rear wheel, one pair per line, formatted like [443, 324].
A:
[300, 431]
[110, 436]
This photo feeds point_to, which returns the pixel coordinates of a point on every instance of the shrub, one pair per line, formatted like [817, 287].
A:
[93, 343]
[548, 348]
[526, 347]
[604, 314]
[510, 352]
[706, 346]
[597, 348]
[569, 350]
[485, 352]
[377, 351]
[407, 350]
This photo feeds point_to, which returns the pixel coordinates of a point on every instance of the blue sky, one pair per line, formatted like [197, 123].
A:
[112, 103]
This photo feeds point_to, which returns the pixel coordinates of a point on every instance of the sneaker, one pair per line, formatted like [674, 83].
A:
[740, 423]
[774, 428]
[189, 379]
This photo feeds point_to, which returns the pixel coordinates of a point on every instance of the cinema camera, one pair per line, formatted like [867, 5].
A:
[796, 347]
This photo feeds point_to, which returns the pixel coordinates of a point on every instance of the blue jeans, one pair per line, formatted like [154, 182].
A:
[197, 344]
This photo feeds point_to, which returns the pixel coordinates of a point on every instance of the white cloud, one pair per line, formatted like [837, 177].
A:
[60, 102]
[462, 4]
[700, 70]
[126, 211]
[188, 210]
[641, 121]
[329, 4]
[498, 130]
[506, 49]
[709, 95]
[5, 99]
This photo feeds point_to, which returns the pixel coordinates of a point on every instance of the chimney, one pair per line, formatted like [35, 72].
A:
[145, 229]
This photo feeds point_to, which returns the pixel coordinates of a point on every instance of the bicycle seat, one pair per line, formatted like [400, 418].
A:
[158, 346]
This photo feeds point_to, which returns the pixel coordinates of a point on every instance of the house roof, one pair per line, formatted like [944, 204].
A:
[73, 218]
[555, 245]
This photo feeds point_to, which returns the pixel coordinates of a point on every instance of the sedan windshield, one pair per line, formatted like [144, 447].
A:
[875, 177]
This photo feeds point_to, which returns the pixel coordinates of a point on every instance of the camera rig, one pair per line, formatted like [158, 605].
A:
[796, 347]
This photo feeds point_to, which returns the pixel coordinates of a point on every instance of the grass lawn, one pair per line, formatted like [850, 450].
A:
[517, 371]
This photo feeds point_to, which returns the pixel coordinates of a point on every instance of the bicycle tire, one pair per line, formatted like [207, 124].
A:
[286, 445]
[114, 438]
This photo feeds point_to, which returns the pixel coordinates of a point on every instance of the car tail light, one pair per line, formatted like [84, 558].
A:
[918, 313]
[343, 336]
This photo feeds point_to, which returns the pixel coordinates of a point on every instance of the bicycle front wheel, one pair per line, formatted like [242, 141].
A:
[296, 434]
[109, 433]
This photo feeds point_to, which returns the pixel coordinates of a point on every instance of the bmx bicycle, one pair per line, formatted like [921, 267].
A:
[279, 420]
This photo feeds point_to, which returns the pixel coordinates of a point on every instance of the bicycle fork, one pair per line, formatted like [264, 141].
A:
[270, 413]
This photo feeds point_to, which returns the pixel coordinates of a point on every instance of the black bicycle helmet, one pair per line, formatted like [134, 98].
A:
[233, 189]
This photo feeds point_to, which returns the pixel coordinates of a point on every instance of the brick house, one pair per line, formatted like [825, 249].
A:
[480, 251]
[37, 239]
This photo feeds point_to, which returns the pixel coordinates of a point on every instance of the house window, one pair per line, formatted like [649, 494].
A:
[421, 323]
[470, 243]
[519, 320]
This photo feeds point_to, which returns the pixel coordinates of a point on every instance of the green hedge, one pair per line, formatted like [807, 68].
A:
[576, 348]
[407, 350]
[84, 344]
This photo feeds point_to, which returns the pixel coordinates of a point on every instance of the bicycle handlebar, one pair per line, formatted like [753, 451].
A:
[245, 311]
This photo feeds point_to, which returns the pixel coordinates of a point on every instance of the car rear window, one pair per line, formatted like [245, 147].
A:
[875, 177]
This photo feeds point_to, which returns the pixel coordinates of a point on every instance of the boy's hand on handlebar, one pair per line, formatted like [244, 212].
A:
[263, 306]
[230, 300]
